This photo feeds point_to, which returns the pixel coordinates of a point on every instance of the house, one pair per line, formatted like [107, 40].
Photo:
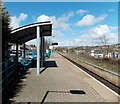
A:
[92, 53]
[109, 55]
[31, 48]
[116, 55]
[65, 51]
[77, 51]
[97, 53]
[80, 50]
[13, 47]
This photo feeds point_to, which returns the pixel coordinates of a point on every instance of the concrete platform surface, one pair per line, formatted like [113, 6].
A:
[61, 81]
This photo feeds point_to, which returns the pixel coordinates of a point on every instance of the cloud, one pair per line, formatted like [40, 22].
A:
[113, 27]
[15, 21]
[58, 23]
[64, 42]
[43, 18]
[32, 42]
[81, 12]
[93, 36]
[111, 10]
[89, 37]
[58, 26]
[90, 20]
[66, 17]
[98, 31]
[57, 33]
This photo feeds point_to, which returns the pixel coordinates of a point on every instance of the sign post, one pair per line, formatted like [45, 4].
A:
[54, 43]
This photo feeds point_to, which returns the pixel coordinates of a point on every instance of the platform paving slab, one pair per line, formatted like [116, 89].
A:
[61, 81]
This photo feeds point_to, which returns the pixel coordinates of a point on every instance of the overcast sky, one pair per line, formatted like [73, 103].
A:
[74, 23]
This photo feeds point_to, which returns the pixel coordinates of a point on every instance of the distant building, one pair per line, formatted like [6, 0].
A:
[65, 51]
[20, 47]
[115, 54]
[97, 53]
[92, 53]
[31, 48]
[13, 47]
[78, 51]
[109, 55]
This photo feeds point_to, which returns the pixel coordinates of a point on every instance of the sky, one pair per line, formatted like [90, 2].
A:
[74, 23]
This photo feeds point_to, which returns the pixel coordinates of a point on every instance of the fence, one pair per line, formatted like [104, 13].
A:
[8, 72]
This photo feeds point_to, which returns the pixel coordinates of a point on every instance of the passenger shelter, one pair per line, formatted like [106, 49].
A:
[29, 32]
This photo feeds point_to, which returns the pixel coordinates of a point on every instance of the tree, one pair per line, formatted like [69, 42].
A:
[5, 28]
[104, 40]
[5, 20]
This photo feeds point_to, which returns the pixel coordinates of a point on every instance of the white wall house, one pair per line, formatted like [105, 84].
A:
[97, 53]
[77, 51]
[13, 47]
[109, 55]
[92, 53]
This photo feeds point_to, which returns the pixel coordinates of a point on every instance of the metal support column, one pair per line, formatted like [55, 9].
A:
[16, 52]
[38, 50]
[24, 50]
[1, 56]
[42, 50]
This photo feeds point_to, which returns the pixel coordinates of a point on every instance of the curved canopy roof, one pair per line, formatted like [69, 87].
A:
[28, 32]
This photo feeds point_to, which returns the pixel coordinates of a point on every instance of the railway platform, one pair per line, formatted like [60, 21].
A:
[61, 81]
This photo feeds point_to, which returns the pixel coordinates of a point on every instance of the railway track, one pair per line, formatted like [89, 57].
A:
[109, 84]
